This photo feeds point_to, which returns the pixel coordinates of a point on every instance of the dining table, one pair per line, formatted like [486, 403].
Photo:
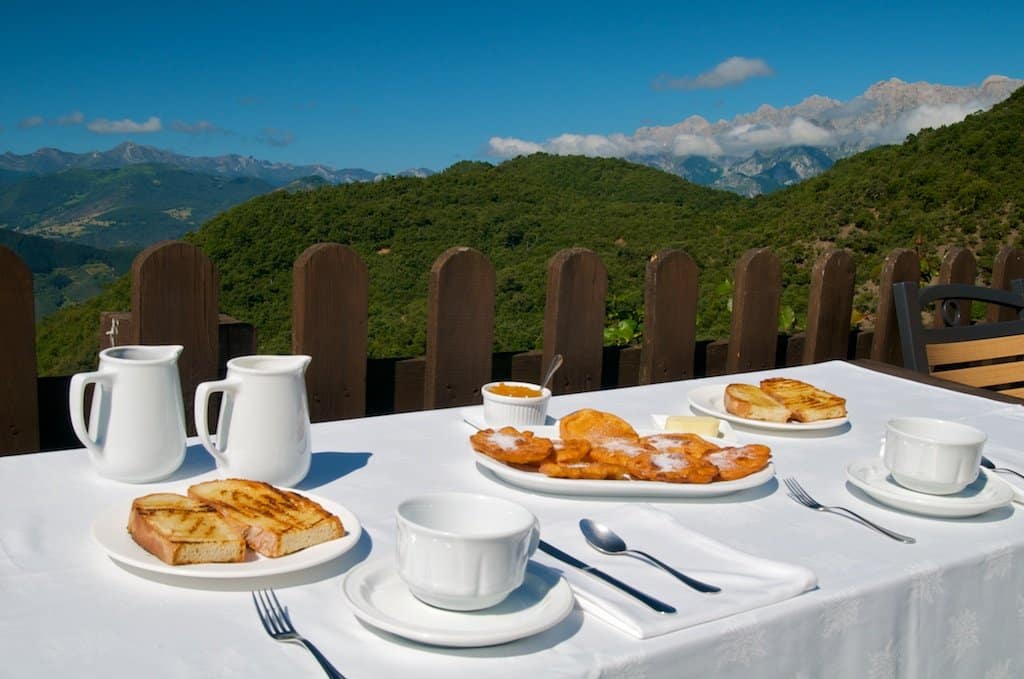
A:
[951, 604]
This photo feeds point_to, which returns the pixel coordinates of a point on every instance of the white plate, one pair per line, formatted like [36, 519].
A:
[710, 399]
[985, 494]
[380, 599]
[111, 533]
[615, 488]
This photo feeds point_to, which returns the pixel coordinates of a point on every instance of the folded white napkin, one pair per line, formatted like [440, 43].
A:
[747, 581]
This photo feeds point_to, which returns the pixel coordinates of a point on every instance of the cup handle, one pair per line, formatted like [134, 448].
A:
[534, 539]
[881, 450]
[76, 405]
[201, 407]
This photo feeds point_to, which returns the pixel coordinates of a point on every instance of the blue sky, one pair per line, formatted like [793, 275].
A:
[425, 85]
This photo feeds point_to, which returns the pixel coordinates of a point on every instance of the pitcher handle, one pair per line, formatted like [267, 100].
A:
[202, 404]
[76, 405]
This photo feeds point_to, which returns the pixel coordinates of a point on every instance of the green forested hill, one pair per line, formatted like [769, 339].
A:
[960, 185]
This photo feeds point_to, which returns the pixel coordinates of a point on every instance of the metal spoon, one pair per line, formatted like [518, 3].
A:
[556, 363]
[989, 464]
[606, 541]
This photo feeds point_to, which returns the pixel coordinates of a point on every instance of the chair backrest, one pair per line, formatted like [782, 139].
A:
[987, 355]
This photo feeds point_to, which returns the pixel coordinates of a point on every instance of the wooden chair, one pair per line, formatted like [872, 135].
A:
[986, 355]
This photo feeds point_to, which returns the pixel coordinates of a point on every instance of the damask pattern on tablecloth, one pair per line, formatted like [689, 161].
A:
[1001, 670]
[841, 616]
[744, 641]
[926, 584]
[999, 563]
[884, 663]
[964, 634]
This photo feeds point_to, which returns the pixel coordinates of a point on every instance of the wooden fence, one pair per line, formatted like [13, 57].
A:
[175, 301]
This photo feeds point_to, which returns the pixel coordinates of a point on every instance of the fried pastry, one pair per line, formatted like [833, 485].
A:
[689, 444]
[672, 467]
[570, 450]
[618, 451]
[511, 446]
[583, 470]
[735, 463]
[593, 425]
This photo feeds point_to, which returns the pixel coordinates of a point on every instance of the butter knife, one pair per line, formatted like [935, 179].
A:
[555, 552]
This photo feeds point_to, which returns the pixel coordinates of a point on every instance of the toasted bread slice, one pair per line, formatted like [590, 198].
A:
[179, 530]
[807, 402]
[751, 402]
[274, 522]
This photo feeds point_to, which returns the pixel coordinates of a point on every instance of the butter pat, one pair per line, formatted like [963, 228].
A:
[692, 424]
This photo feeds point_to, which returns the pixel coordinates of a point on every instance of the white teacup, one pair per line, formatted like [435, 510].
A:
[463, 551]
[932, 456]
[515, 410]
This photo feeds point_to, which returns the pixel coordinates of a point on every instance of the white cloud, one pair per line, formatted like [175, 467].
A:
[30, 122]
[695, 145]
[124, 126]
[886, 113]
[935, 116]
[196, 128]
[74, 118]
[508, 147]
[732, 71]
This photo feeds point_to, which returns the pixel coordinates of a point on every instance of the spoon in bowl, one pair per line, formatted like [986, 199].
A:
[605, 540]
[556, 363]
[989, 464]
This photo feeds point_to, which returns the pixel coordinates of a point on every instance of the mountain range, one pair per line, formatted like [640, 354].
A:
[772, 148]
[49, 161]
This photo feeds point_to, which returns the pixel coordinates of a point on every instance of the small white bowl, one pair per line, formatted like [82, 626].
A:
[500, 410]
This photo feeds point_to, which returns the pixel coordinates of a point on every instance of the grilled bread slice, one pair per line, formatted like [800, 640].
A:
[807, 402]
[179, 530]
[274, 522]
[749, 401]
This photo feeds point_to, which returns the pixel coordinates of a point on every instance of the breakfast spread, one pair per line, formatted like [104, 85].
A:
[219, 519]
[781, 399]
[600, 445]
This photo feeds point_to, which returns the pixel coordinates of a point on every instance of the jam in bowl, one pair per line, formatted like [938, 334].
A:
[515, 403]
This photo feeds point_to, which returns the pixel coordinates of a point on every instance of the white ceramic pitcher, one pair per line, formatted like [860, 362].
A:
[263, 429]
[136, 429]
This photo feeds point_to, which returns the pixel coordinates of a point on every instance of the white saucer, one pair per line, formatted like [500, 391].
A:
[380, 598]
[985, 494]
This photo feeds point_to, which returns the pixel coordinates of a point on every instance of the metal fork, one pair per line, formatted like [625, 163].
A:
[797, 492]
[279, 626]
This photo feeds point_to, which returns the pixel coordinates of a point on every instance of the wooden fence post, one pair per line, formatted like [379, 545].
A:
[329, 323]
[958, 266]
[829, 307]
[670, 317]
[574, 319]
[174, 301]
[460, 328]
[1008, 265]
[900, 265]
[19, 402]
[754, 331]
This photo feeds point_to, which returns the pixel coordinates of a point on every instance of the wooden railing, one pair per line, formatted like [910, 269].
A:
[175, 301]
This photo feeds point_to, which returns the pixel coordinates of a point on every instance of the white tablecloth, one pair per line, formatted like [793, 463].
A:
[951, 605]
